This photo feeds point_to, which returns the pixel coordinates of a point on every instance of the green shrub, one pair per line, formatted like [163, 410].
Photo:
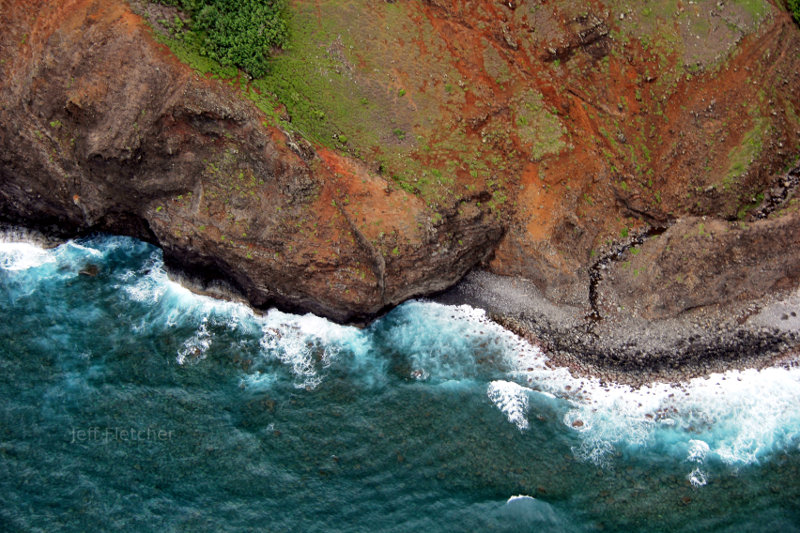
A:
[794, 8]
[236, 32]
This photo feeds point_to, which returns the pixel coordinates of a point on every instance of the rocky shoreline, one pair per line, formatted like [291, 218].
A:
[628, 227]
[639, 351]
[628, 351]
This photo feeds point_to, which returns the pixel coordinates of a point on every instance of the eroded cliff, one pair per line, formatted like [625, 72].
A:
[394, 146]
[104, 129]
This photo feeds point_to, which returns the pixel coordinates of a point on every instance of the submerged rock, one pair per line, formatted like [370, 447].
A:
[89, 271]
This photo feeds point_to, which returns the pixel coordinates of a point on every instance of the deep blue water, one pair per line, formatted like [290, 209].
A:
[129, 403]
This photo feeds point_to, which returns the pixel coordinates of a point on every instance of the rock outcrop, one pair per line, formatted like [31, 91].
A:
[103, 129]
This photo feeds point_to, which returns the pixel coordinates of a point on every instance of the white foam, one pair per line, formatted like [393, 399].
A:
[82, 249]
[292, 350]
[697, 478]
[520, 497]
[151, 287]
[23, 256]
[174, 303]
[735, 417]
[512, 400]
[308, 344]
[195, 347]
[444, 342]
[258, 381]
[10, 235]
[698, 450]
[739, 415]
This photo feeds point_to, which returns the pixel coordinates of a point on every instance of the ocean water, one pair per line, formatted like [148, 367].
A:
[130, 403]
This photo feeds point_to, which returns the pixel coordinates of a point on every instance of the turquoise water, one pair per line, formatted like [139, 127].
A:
[130, 403]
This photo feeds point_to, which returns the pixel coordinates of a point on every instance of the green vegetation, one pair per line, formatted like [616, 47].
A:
[234, 32]
[323, 103]
[328, 87]
[743, 210]
[756, 8]
[794, 9]
[667, 30]
[538, 127]
[494, 64]
[743, 155]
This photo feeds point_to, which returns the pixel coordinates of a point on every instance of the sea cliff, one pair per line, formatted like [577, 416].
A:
[631, 164]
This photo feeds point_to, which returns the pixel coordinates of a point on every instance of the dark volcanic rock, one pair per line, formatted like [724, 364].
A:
[89, 271]
[698, 263]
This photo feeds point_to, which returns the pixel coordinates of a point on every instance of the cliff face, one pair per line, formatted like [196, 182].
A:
[394, 146]
[102, 128]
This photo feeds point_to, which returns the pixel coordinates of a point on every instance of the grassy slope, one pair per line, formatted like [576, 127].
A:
[446, 117]
[403, 121]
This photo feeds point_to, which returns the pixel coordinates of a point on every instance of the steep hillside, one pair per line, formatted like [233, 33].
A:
[392, 146]
[102, 128]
